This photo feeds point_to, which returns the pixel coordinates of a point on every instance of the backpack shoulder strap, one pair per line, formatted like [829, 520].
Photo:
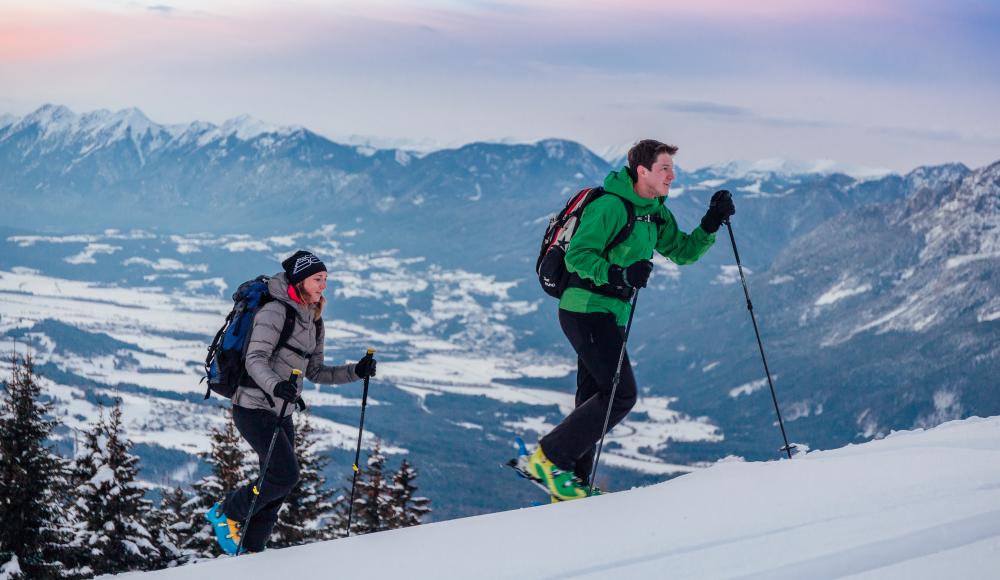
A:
[286, 332]
[286, 329]
[626, 230]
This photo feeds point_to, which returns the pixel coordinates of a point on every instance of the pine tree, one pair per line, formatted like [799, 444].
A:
[230, 469]
[305, 516]
[32, 478]
[336, 520]
[168, 526]
[372, 505]
[406, 508]
[114, 517]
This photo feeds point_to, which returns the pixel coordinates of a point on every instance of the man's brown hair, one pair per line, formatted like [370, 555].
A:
[645, 153]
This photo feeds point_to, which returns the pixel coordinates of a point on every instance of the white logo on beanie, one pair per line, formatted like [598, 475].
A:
[304, 262]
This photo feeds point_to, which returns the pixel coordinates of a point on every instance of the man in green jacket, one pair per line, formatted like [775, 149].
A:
[594, 309]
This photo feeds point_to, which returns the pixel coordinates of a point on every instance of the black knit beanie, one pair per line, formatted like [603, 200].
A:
[301, 265]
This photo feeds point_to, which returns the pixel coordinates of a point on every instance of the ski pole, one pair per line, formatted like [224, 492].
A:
[614, 387]
[357, 453]
[263, 470]
[787, 448]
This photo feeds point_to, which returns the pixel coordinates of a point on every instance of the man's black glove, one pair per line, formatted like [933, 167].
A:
[287, 391]
[719, 210]
[635, 276]
[365, 367]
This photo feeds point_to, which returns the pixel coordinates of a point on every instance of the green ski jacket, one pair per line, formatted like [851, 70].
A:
[599, 224]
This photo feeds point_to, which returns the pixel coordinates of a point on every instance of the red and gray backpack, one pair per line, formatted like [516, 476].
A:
[551, 264]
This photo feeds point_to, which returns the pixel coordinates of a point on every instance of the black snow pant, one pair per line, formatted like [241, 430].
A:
[257, 427]
[597, 340]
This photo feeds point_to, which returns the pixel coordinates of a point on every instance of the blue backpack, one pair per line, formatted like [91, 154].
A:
[225, 365]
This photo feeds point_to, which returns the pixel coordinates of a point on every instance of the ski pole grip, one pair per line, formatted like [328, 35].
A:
[293, 377]
[371, 352]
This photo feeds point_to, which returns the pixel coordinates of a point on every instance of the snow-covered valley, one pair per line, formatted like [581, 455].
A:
[451, 375]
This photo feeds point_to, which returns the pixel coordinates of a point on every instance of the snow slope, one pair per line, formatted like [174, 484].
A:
[917, 504]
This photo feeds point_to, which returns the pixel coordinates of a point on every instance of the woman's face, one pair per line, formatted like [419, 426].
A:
[313, 287]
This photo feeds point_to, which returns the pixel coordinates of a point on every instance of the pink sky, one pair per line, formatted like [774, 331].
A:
[882, 83]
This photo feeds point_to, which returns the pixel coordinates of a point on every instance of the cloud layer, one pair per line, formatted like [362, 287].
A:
[878, 82]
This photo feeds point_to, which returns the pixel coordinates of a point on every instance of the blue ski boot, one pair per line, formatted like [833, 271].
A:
[227, 531]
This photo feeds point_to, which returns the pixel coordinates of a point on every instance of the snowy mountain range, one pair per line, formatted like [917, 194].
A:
[876, 295]
[883, 316]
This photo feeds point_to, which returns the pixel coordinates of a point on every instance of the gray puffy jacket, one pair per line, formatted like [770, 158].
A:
[267, 367]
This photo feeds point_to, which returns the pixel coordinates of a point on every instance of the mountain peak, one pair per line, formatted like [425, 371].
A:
[934, 176]
[246, 127]
[50, 111]
[780, 166]
[58, 120]
[49, 115]
[559, 148]
[7, 119]
[616, 155]
[132, 116]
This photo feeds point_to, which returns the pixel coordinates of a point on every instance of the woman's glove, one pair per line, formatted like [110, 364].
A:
[287, 391]
[365, 367]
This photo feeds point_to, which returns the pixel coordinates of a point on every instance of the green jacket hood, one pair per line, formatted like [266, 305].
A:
[620, 183]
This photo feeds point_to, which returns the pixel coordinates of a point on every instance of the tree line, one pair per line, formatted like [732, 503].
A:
[89, 514]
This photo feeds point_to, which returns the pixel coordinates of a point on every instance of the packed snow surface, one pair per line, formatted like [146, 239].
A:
[917, 504]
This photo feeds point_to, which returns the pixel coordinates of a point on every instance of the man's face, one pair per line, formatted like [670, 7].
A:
[658, 178]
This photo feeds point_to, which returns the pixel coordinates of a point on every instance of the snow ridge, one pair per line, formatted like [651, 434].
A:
[787, 167]
[57, 126]
[916, 505]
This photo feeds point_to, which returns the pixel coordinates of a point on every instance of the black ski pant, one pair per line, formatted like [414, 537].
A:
[597, 340]
[257, 427]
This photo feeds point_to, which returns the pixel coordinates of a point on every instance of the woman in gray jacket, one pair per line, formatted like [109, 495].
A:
[298, 292]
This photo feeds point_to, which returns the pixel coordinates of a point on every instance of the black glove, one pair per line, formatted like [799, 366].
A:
[719, 210]
[365, 367]
[287, 391]
[635, 276]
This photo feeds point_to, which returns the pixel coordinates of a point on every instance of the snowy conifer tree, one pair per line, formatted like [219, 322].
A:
[372, 501]
[407, 509]
[168, 528]
[306, 514]
[228, 459]
[113, 516]
[32, 481]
